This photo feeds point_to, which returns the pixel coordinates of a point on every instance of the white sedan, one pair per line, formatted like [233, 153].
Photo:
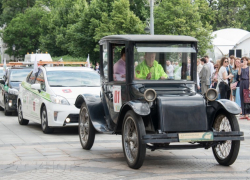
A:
[48, 96]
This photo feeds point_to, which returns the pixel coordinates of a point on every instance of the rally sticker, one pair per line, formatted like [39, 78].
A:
[117, 98]
[67, 90]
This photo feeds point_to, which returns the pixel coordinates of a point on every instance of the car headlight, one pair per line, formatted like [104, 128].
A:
[211, 94]
[150, 95]
[13, 91]
[59, 100]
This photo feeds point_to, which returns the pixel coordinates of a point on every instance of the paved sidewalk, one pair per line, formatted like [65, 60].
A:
[27, 153]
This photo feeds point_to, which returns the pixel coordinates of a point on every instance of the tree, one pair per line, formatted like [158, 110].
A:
[63, 13]
[10, 8]
[121, 21]
[244, 16]
[181, 17]
[24, 31]
[80, 35]
[139, 9]
[227, 15]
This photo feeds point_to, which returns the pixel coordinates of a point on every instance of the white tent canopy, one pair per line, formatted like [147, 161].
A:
[225, 39]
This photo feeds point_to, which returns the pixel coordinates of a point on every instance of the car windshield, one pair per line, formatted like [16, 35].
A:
[19, 75]
[163, 61]
[71, 78]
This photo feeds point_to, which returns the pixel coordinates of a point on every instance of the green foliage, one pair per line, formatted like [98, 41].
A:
[63, 13]
[121, 21]
[68, 58]
[139, 9]
[180, 17]
[227, 14]
[10, 8]
[24, 31]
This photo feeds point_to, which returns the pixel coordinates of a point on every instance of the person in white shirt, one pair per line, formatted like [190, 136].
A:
[170, 70]
[210, 65]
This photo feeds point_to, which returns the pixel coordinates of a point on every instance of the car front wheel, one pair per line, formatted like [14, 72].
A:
[226, 152]
[133, 148]
[44, 122]
[86, 128]
[20, 116]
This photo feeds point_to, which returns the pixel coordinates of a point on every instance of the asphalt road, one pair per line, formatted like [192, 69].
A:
[27, 153]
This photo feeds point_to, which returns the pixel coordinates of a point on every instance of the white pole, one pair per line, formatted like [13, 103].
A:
[152, 17]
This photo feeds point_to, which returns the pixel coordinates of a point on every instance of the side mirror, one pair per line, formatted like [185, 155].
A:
[36, 86]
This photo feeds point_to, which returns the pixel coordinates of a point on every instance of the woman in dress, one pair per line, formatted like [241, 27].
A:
[222, 86]
[244, 84]
[234, 71]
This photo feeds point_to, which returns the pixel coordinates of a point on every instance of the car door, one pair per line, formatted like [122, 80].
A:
[38, 98]
[114, 88]
[32, 98]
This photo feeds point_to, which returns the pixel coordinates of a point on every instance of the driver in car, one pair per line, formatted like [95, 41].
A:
[150, 69]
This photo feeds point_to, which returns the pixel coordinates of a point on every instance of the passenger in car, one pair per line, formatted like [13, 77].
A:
[120, 67]
[150, 69]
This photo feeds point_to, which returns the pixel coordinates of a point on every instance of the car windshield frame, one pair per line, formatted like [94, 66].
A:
[173, 47]
[49, 73]
[27, 71]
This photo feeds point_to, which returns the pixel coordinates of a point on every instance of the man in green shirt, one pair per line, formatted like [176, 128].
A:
[150, 69]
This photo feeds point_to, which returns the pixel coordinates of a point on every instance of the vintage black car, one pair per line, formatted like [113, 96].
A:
[9, 87]
[152, 107]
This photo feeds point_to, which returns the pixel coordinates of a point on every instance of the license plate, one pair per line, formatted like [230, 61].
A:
[199, 136]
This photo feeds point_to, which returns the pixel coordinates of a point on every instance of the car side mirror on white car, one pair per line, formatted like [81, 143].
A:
[36, 86]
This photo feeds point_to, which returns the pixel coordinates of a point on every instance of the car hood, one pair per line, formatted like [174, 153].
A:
[71, 93]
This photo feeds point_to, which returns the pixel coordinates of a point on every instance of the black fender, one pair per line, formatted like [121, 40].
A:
[140, 108]
[95, 109]
[222, 105]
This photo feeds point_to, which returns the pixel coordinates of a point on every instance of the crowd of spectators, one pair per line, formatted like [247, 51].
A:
[230, 77]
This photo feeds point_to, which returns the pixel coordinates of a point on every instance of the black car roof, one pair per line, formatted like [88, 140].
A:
[148, 38]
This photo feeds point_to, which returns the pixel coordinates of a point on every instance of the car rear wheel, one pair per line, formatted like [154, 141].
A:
[86, 129]
[133, 148]
[20, 116]
[44, 122]
[226, 152]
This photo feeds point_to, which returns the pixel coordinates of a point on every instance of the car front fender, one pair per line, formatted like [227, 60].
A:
[230, 106]
[140, 108]
[95, 110]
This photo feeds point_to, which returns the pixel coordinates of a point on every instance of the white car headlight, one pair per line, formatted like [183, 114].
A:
[13, 91]
[59, 100]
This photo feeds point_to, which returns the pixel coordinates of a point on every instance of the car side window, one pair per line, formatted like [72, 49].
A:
[28, 77]
[119, 63]
[32, 78]
[105, 61]
[40, 80]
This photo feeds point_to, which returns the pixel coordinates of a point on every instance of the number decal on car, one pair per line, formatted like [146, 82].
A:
[117, 98]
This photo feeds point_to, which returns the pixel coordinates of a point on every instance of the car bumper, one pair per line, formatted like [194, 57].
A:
[175, 137]
[57, 115]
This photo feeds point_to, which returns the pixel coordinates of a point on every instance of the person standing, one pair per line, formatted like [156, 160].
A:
[215, 77]
[234, 80]
[244, 84]
[170, 70]
[210, 65]
[199, 66]
[204, 76]
[222, 86]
